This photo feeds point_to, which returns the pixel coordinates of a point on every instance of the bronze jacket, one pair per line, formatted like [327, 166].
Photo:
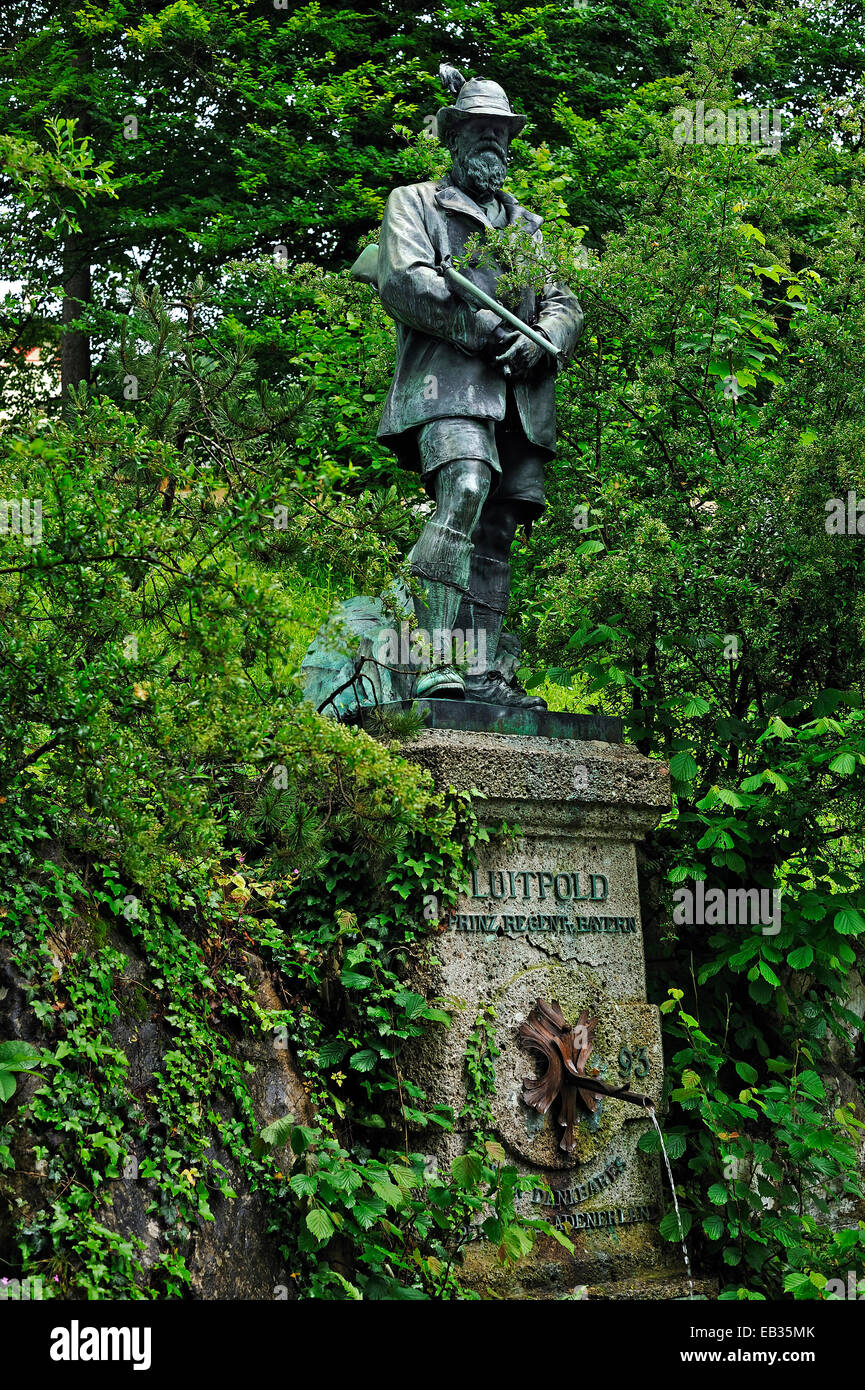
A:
[439, 336]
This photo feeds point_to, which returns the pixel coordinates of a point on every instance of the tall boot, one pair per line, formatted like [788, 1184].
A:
[440, 560]
[482, 613]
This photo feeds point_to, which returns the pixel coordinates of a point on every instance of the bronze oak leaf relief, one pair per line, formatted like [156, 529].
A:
[567, 1050]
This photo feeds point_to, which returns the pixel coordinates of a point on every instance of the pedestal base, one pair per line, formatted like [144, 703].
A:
[553, 913]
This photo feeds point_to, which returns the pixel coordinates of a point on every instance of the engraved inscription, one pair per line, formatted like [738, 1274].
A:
[597, 1220]
[508, 924]
[580, 1192]
[506, 884]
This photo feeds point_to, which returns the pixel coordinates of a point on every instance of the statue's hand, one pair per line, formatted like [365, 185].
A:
[488, 341]
[521, 357]
[498, 340]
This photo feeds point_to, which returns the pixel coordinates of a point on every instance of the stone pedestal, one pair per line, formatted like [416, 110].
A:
[554, 914]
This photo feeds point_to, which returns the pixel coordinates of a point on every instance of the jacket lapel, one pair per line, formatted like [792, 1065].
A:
[453, 199]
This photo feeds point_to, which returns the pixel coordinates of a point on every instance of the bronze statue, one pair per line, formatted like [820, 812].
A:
[472, 402]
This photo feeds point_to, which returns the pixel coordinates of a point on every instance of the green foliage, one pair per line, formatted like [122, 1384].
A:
[15, 1057]
[685, 578]
[164, 791]
[394, 1224]
[765, 1166]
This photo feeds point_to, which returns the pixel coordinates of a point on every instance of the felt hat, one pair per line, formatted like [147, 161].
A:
[478, 97]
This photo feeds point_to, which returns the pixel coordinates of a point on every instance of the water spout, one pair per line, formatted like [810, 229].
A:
[651, 1110]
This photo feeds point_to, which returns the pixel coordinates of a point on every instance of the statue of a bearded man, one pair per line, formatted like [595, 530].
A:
[472, 402]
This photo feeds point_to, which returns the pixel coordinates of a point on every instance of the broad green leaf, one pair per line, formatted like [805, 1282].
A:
[695, 707]
[670, 1228]
[318, 1222]
[675, 1144]
[364, 1060]
[331, 1053]
[731, 798]
[849, 922]
[412, 1004]
[591, 547]
[301, 1138]
[352, 979]
[800, 958]
[516, 1242]
[467, 1170]
[279, 1132]
[19, 1056]
[368, 1211]
[683, 766]
[768, 973]
[845, 763]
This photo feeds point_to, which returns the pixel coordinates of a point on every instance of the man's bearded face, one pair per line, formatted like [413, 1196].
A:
[479, 149]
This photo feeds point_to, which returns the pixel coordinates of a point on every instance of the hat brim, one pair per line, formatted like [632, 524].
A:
[448, 116]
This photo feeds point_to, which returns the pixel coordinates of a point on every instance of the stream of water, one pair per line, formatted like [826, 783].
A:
[651, 1110]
